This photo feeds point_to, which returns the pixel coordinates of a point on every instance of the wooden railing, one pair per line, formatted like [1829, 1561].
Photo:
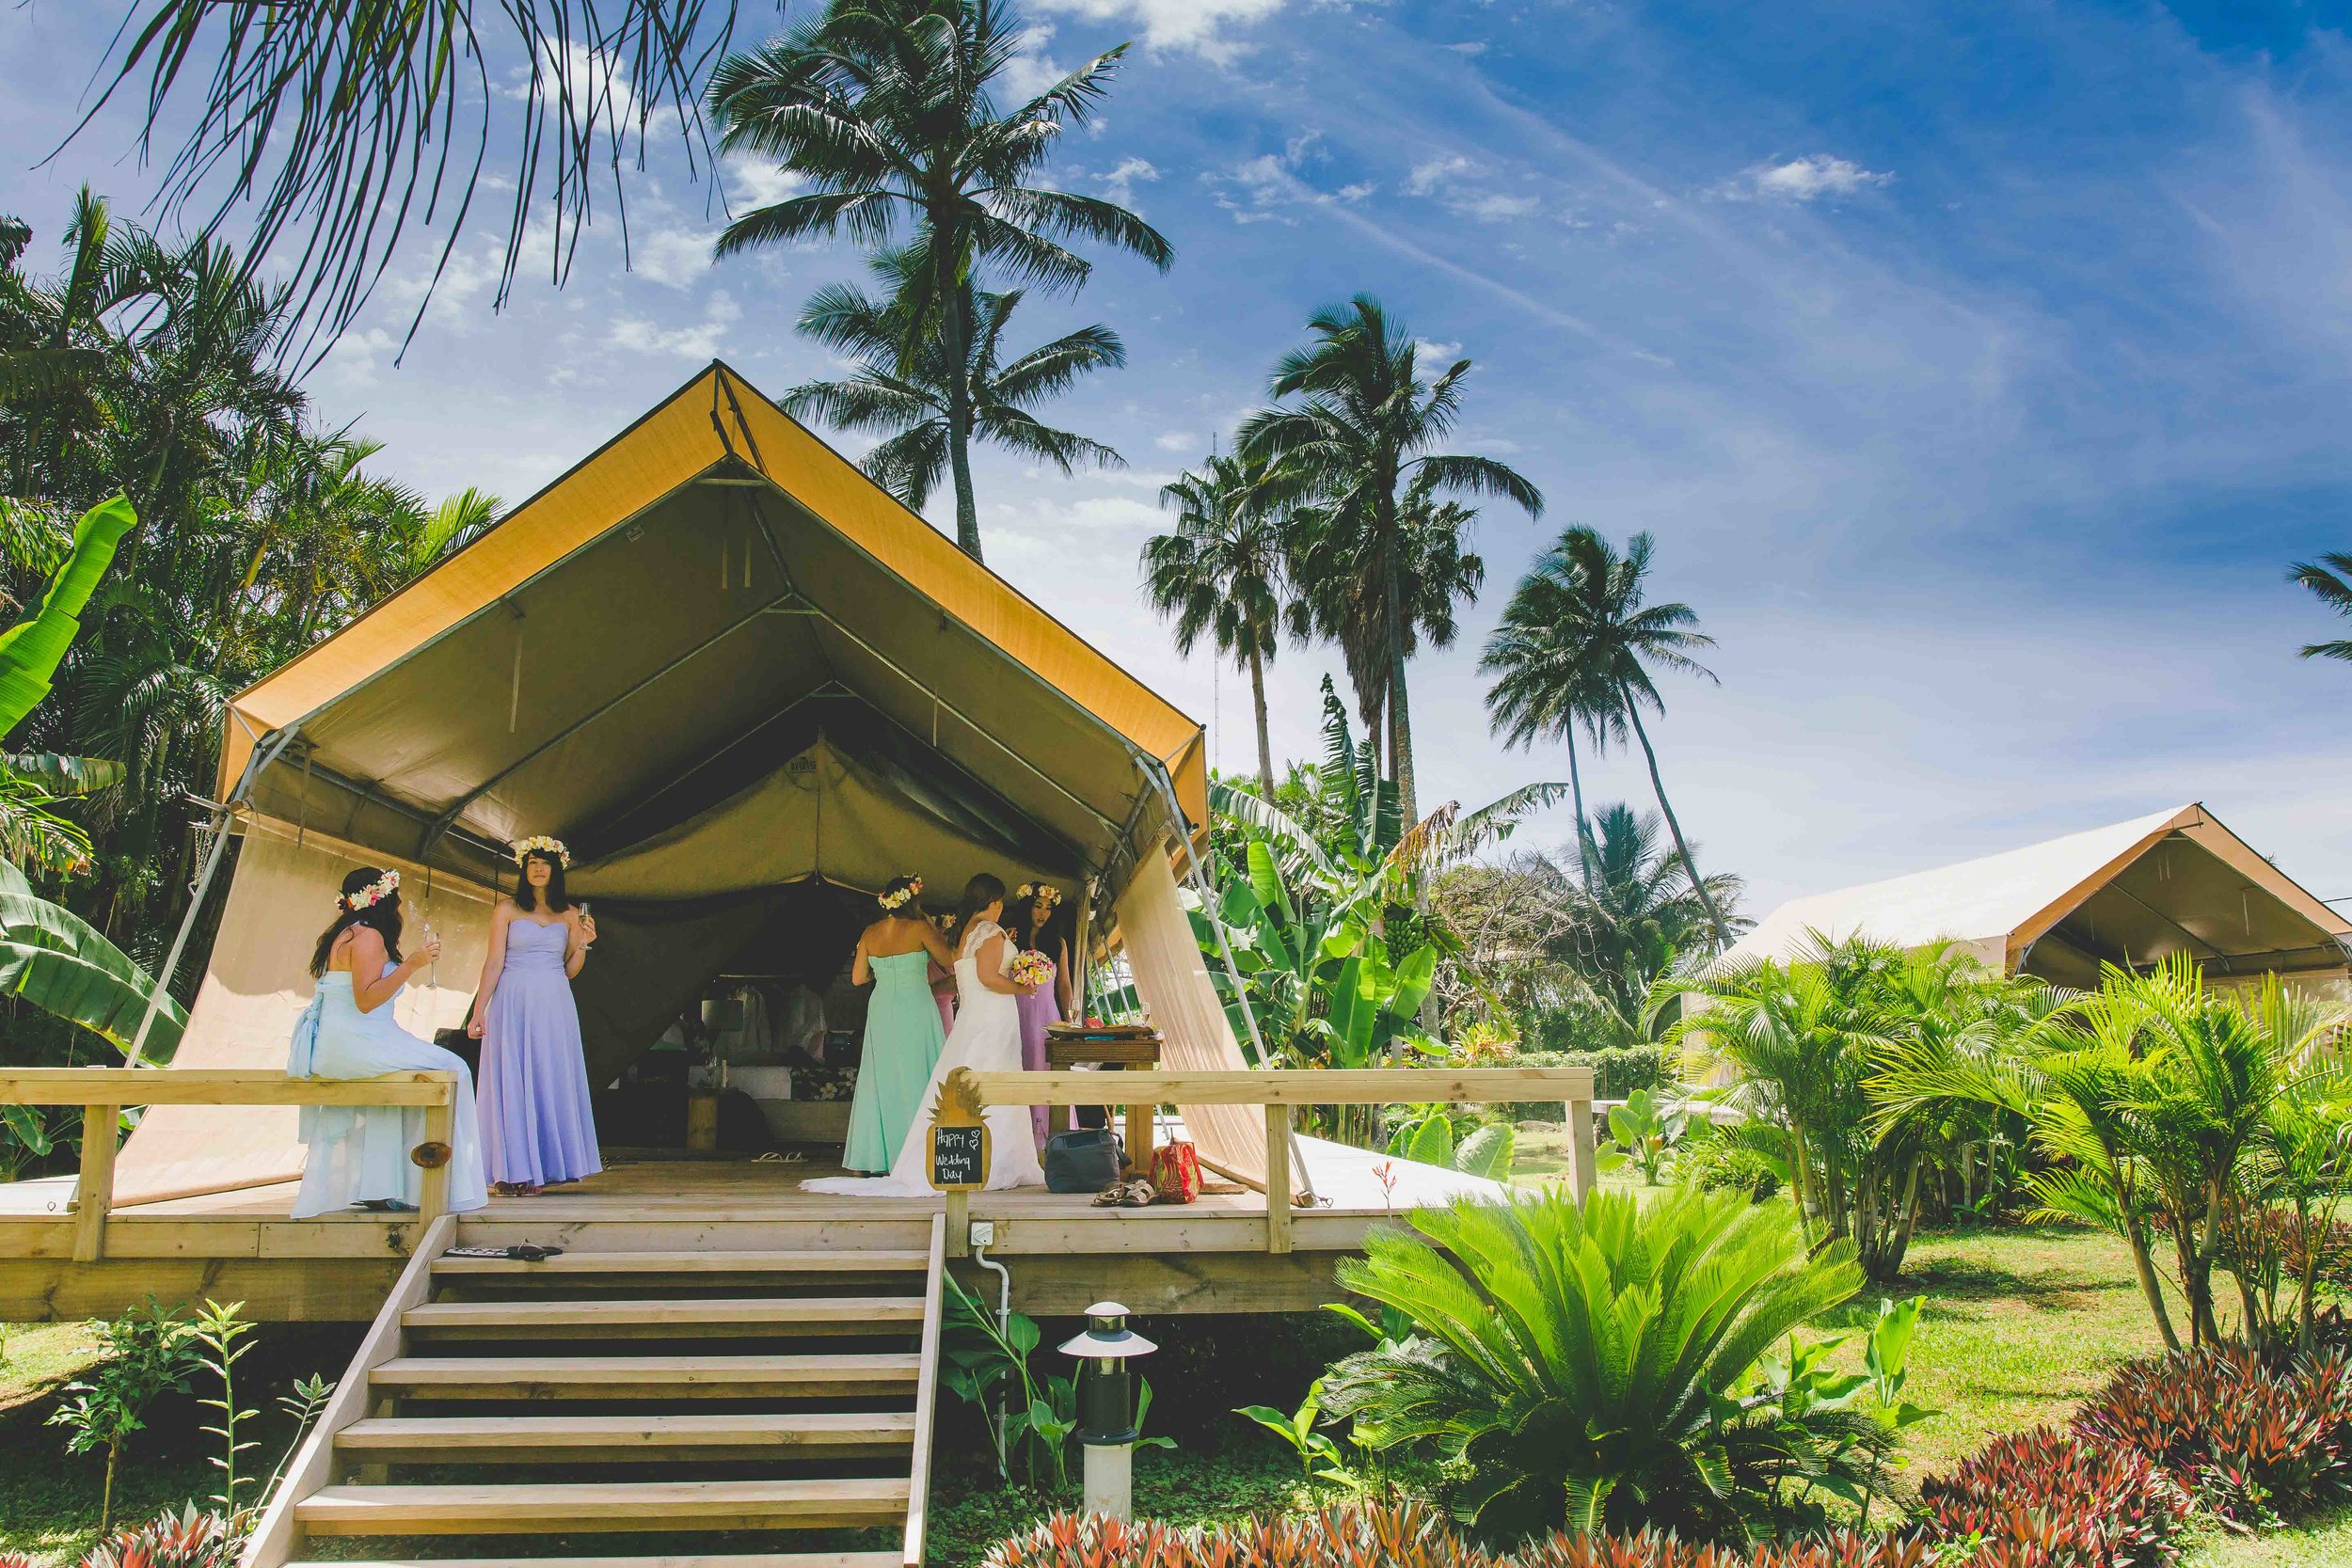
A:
[1280, 1091]
[103, 1092]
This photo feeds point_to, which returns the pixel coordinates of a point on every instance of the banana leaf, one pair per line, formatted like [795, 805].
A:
[30, 650]
[60, 963]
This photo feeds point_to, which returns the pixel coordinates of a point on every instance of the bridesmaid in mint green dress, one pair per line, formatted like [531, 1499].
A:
[903, 1035]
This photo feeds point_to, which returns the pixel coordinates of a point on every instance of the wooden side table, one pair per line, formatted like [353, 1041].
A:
[1140, 1052]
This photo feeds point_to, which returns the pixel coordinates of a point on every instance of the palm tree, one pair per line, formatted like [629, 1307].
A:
[1546, 686]
[347, 120]
[1638, 911]
[1224, 570]
[1606, 643]
[1361, 435]
[912, 402]
[885, 110]
[2330, 579]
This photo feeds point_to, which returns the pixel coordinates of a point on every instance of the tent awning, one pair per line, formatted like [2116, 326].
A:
[655, 632]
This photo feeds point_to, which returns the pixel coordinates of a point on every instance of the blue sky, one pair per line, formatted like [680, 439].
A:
[1980, 368]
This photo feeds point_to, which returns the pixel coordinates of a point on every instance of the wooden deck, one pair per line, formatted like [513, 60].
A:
[1206, 1257]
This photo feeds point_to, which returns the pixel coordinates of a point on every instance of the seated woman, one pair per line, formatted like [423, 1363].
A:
[359, 1154]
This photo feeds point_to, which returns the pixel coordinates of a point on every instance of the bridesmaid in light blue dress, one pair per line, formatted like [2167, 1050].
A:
[360, 1155]
[538, 1126]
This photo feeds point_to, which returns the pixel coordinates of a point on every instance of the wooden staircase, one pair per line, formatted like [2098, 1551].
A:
[669, 1394]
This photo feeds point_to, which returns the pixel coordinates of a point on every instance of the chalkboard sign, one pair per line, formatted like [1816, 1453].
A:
[958, 1157]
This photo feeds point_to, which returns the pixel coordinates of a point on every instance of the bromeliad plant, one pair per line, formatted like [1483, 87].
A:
[1604, 1365]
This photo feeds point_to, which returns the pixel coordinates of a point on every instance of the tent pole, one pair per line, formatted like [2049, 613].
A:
[221, 819]
[1200, 885]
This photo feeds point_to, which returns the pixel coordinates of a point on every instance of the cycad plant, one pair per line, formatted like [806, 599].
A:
[1601, 1366]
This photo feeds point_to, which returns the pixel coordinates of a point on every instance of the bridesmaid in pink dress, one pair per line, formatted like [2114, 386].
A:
[1031, 918]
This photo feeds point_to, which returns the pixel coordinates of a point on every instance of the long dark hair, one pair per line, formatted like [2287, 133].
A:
[978, 894]
[383, 916]
[526, 896]
[1061, 921]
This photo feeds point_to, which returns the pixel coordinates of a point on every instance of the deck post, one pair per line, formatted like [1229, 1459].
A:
[1582, 1156]
[440, 1125]
[1277, 1178]
[95, 1195]
[958, 1223]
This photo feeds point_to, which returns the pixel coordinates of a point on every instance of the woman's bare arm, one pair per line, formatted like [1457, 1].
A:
[861, 971]
[375, 979]
[990, 960]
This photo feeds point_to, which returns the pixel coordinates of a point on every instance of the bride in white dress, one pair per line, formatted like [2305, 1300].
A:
[986, 1038]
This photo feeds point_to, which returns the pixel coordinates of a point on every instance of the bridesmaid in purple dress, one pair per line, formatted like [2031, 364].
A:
[1031, 917]
[538, 1129]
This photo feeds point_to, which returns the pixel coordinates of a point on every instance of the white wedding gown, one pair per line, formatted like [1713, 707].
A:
[986, 1038]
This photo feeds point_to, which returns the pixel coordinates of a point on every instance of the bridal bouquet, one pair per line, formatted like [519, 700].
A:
[1032, 968]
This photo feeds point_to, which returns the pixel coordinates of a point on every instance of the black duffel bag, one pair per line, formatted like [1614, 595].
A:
[1084, 1161]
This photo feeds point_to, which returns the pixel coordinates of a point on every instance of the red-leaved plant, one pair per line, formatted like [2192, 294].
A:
[2047, 1498]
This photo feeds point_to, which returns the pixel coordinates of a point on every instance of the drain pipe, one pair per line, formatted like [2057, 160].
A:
[984, 1237]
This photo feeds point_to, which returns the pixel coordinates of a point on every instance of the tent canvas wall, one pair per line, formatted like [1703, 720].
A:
[713, 657]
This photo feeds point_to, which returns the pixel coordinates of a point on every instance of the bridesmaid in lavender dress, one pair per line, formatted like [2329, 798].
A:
[1034, 927]
[538, 1129]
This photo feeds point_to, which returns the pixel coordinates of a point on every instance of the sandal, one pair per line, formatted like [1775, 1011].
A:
[1138, 1194]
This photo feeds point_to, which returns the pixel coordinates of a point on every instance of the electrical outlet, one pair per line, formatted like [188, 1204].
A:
[983, 1233]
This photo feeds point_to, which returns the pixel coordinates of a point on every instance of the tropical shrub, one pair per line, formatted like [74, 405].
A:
[2060, 1499]
[2251, 1437]
[1618, 1071]
[192, 1538]
[1410, 1535]
[1731, 1158]
[145, 1355]
[1649, 1130]
[1601, 1366]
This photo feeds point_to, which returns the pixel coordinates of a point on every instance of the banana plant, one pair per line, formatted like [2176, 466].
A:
[62, 964]
[31, 650]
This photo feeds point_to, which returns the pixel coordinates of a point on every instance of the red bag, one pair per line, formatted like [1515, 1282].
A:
[1176, 1172]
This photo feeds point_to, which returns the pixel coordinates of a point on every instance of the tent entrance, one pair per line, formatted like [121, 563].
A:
[764, 1016]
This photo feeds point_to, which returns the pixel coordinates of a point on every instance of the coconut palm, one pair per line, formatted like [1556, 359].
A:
[1362, 434]
[1223, 570]
[887, 109]
[2329, 578]
[334, 126]
[1603, 649]
[1546, 686]
[912, 402]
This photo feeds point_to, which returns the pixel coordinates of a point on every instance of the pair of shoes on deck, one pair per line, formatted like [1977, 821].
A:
[1135, 1194]
[385, 1205]
[515, 1189]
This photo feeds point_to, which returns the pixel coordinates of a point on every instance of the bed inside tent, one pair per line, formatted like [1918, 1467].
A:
[747, 687]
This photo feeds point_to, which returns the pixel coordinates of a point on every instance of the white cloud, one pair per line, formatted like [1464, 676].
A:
[1032, 70]
[702, 340]
[1438, 174]
[1806, 179]
[1257, 189]
[750, 183]
[1119, 184]
[1176, 440]
[1447, 179]
[1199, 26]
[1471, 48]
[1435, 356]
[673, 256]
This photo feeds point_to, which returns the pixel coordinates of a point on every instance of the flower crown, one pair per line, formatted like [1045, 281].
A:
[543, 845]
[899, 900]
[371, 895]
[1029, 892]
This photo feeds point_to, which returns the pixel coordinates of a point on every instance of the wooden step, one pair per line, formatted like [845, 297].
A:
[727, 1315]
[581, 1506]
[722, 1377]
[755, 1559]
[543, 1439]
[880, 1261]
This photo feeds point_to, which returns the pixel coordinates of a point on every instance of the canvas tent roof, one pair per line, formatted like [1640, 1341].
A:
[633, 637]
[2133, 893]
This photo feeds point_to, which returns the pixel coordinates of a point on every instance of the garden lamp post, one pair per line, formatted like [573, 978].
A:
[1106, 1407]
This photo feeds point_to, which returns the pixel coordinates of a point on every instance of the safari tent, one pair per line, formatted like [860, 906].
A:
[2133, 894]
[734, 675]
